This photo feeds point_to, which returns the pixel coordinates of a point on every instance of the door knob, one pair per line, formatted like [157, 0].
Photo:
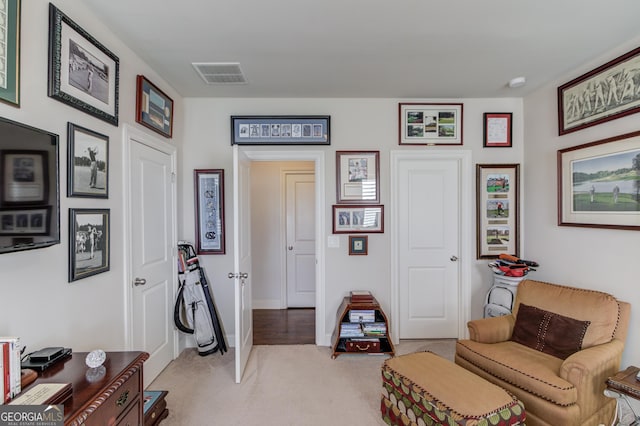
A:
[139, 281]
[241, 275]
[454, 258]
[290, 248]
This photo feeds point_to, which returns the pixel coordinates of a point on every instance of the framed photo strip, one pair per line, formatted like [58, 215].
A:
[430, 124]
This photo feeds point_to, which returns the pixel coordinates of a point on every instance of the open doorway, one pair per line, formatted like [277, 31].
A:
[283, 240]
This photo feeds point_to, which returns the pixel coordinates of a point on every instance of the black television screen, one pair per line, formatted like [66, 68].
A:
[29, 187]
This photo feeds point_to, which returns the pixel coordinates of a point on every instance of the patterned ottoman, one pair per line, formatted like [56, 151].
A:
[425, 389]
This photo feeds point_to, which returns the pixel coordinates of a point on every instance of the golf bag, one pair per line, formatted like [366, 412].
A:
[194, 304]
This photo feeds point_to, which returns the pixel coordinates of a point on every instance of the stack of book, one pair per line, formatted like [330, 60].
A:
[362, 315]
[349, 329]
[374, 328]
[10, 370]
[361, 296]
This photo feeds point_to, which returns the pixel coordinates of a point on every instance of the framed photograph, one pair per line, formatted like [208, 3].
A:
[430, 124]
[358, 245]
[209, 191]
[497, 130]
[281, 130]
[83, 73]
[497, 210]
[10, 51]
[599, 184]
[89, 242]
[358, 219]
[154, 109]
[358, 177]
[87, 163]
[605, 93]
[24, 178]
[25, 221]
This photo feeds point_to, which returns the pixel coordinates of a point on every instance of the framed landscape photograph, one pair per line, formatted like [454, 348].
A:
[209, 194]
[281, 130]
[430, 124]
[83, 73]
[497, 130]
[358, 177]
[599, 184]
[87, 163]
[154, 109]
[358, 245]
[497, 210]
[605, 93]
[10, 51]
[24, 177]
[358, 219]
[89, 242]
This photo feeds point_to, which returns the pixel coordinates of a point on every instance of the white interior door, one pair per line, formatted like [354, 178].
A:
[301, 241]
[153, 246]
[242, 260]
[428, 248]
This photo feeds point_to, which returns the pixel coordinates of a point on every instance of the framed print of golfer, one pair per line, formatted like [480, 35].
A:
[87, 163]
[89, 242]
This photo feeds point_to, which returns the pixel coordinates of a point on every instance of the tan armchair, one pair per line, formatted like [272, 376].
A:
[555, 391]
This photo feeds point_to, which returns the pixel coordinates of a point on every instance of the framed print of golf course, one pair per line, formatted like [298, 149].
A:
[603, 94]
[154, 109]
[430, 124]
[497, 210]
[82, 72]
[599, 184]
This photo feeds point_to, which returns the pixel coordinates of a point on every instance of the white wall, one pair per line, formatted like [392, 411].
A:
[36, 301]
[593, 258]
[356, 124]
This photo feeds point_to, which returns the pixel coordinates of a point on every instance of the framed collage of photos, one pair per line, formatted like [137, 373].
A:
[281, 130]
[209, 198]
[599, 184]
[430, 124]
[25, 221]
[497, 210]
[358, 219]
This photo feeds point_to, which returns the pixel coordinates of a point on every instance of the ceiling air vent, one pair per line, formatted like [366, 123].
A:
[220, 73]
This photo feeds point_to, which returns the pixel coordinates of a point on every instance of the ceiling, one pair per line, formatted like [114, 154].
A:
[369, 48]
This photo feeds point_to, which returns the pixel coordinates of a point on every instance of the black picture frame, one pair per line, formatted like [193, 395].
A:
[87, 163]
[89, 242]
[154, 109]
[83, 73]
[10, 54]
[209, 210]
[281, 130]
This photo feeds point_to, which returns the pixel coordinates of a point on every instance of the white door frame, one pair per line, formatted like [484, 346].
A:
[318, 158]
[466, 218]
[128, 133]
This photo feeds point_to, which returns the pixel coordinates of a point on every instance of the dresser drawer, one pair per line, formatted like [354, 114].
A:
[117, 403]
[132, 418]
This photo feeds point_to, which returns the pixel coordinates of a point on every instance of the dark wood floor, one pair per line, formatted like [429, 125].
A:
[284, 326]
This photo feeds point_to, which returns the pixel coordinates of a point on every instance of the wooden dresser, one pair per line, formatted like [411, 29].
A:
[109, 396]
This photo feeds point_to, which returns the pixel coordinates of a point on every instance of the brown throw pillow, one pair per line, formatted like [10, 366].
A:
[548, 332]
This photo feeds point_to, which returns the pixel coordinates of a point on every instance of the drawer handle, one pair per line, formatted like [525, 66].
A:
[362, 348]
[123, 399]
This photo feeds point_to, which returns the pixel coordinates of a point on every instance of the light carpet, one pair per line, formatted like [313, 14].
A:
[283, 385]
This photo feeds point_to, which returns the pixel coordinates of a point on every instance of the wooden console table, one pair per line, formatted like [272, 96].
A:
[113, 398]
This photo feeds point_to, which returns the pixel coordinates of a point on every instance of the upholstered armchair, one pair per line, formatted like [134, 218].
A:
[554, 352]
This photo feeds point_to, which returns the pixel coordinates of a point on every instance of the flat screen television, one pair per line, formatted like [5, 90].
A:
[29, 187]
